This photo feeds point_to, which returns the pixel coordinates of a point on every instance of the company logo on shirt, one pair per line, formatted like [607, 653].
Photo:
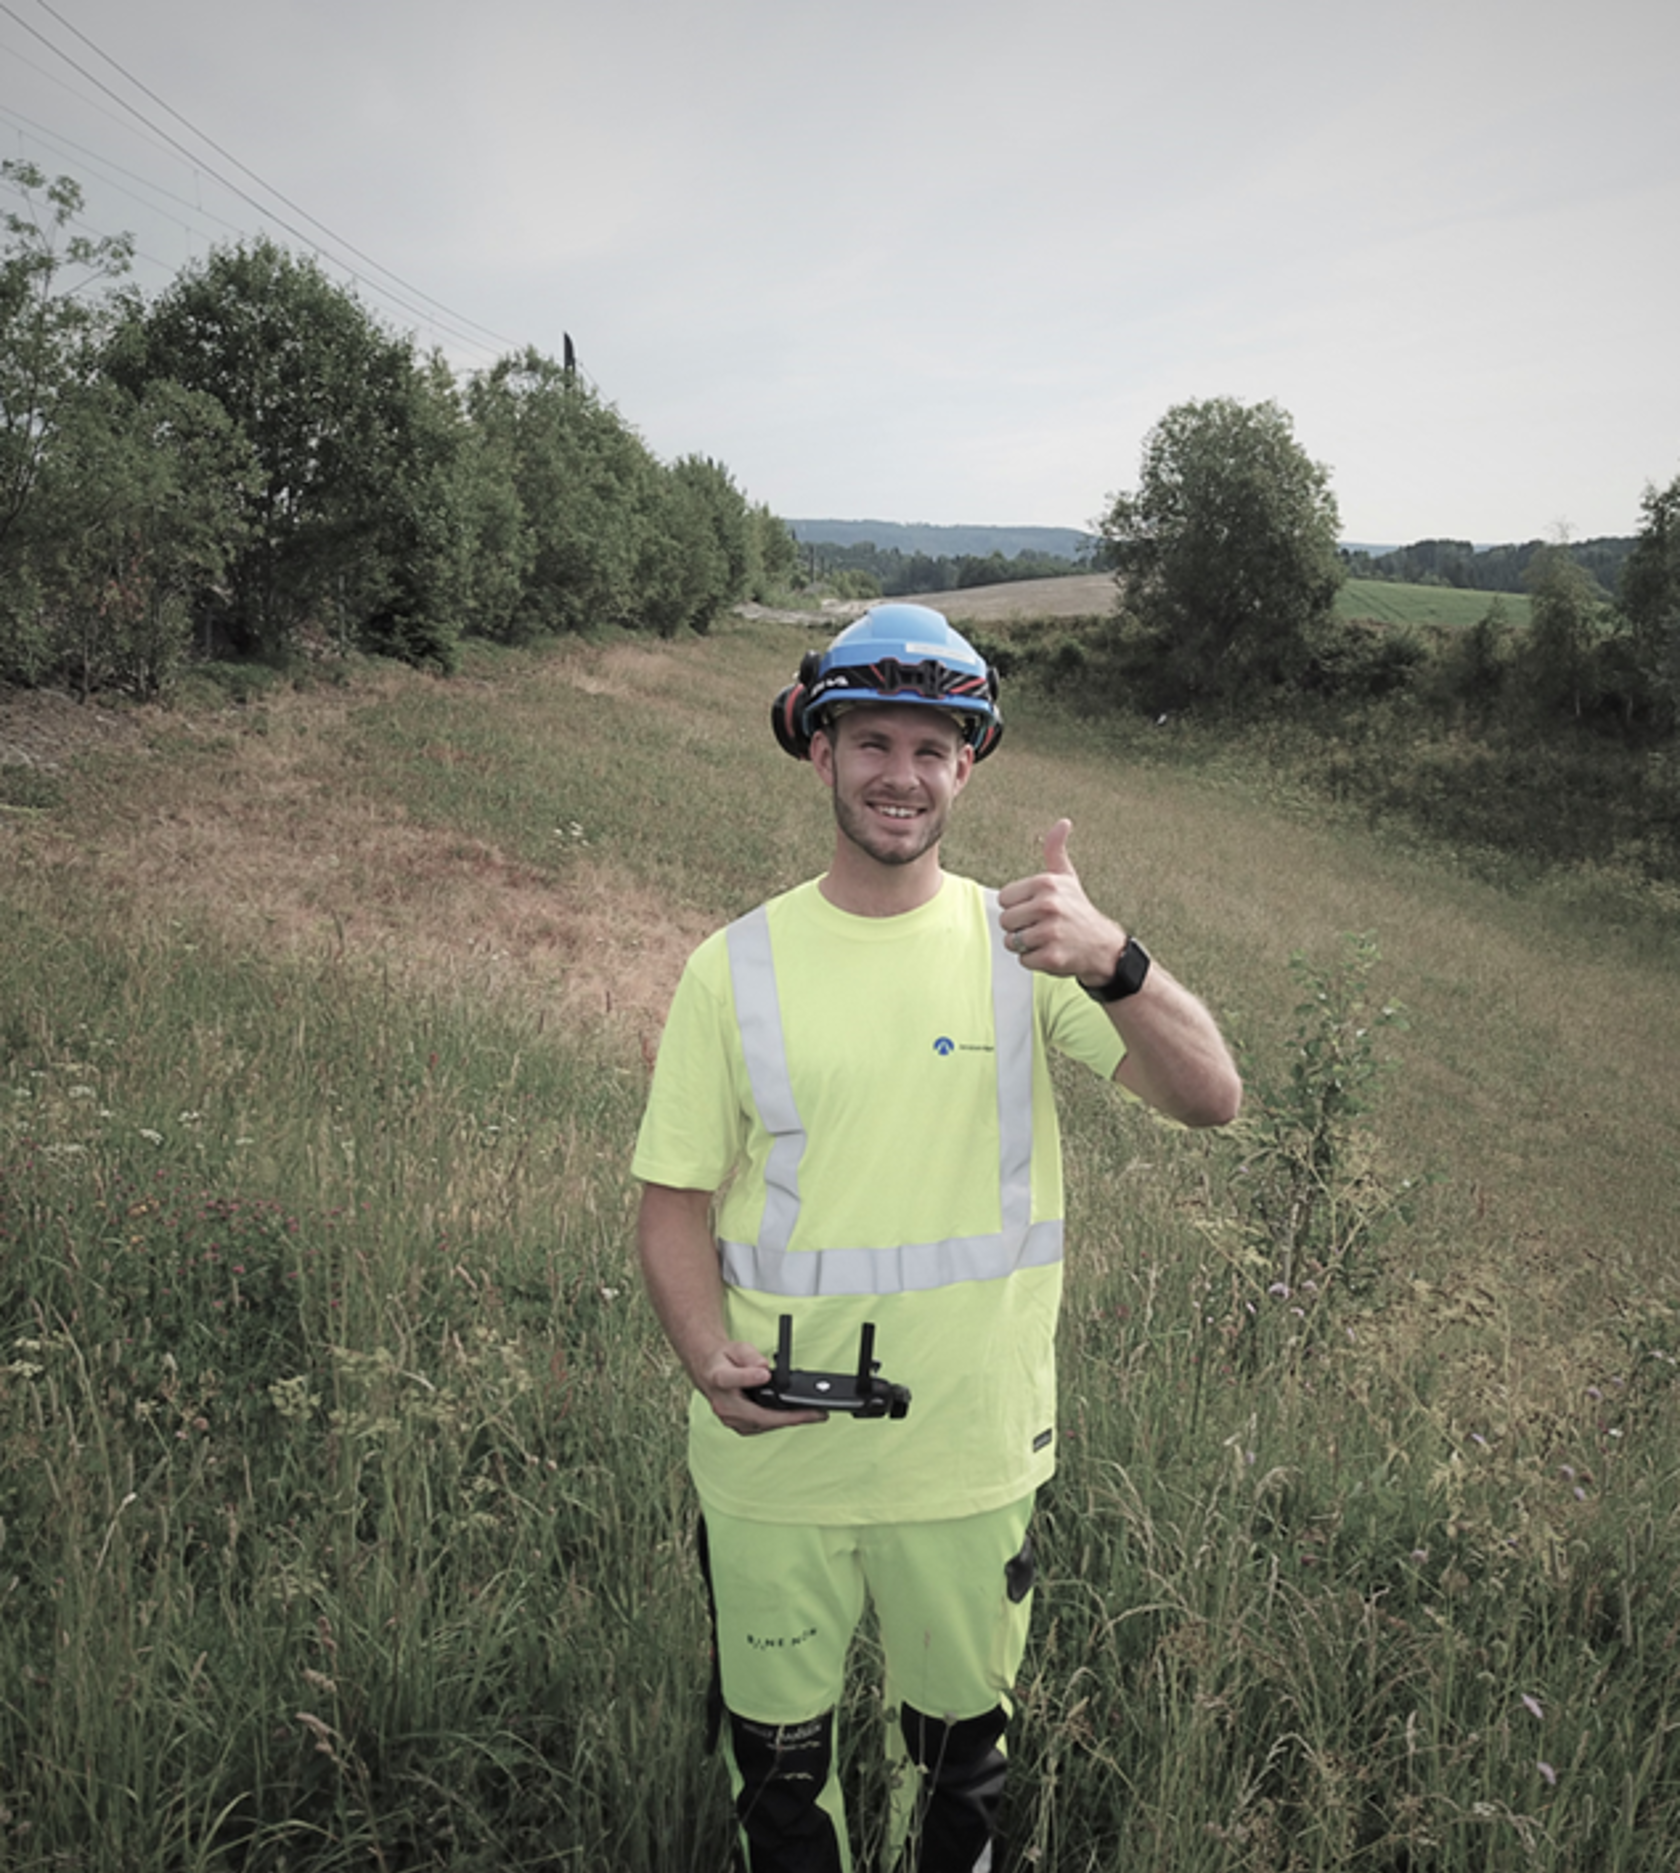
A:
[945, 1047]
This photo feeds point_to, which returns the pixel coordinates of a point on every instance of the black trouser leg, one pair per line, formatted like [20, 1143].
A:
[962, 1769]
[783, 1769]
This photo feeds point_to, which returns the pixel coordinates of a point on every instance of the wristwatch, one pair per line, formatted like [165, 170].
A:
[1128, 976]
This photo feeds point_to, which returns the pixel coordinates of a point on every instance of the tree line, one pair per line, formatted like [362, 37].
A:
[865, 570]
[250, 463]
[1468, 568]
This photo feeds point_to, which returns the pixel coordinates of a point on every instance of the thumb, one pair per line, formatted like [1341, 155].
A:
[1056, 845]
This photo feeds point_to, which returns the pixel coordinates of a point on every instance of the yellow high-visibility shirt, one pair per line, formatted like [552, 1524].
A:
[871, 1097]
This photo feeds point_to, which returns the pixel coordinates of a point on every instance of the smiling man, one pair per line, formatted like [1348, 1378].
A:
[850, 1140]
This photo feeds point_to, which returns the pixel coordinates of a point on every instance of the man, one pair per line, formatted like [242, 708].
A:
[855, 1075]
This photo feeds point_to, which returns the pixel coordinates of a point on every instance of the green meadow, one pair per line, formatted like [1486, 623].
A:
[1388, 603]
[343, 1517]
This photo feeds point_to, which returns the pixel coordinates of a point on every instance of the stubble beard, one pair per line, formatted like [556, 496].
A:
[854, 826]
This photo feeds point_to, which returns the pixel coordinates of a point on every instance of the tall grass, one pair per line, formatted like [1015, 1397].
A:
[344, 1515]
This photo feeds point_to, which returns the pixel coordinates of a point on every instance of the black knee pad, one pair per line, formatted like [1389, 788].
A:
[783, 1769]
[963, 1768]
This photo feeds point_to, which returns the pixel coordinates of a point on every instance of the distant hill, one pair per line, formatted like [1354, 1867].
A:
[945, 542]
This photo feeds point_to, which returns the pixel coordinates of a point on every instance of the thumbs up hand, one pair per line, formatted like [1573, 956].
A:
[1051, 924]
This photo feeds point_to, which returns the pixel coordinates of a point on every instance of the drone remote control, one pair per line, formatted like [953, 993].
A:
[862, 1393]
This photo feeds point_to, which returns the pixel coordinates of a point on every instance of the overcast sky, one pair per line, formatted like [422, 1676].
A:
[926, 261]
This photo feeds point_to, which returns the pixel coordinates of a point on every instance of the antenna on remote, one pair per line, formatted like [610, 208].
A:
[866, 1358]
[784, 1350]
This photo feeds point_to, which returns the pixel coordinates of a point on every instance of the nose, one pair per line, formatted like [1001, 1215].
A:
[900, 765]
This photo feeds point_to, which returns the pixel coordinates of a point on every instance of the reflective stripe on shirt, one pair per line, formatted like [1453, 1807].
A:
[768, 1266]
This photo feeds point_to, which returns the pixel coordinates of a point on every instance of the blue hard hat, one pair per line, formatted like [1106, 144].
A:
[898, 654]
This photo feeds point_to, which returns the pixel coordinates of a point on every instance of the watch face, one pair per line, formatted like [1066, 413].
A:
[1128, 976]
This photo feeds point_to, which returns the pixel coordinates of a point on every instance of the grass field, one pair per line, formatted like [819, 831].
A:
[1425, 604]
[343, 1520]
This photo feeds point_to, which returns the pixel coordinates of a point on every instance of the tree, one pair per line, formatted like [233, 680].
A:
[139, 508]
[45, 321]
[1226, 555]
[582, 478]
[351, 526]
[773, 563]
[1650, 595]
[47, 330]
[1565, 622]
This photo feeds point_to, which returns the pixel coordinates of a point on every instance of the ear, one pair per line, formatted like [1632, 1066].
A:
[822, 753]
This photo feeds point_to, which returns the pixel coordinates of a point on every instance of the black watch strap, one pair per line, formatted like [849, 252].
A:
[1128, 976]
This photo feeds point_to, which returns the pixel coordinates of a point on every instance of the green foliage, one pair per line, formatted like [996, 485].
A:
[251, 463]
[1226, 554]
[1650, 595]
[140, 506]
[48, 332]
[1313, 1203]
[1460, 566]
[773, 562]
[349, 528]
[1567, 620]
[579, 475]
[895, 572]
[695, 546]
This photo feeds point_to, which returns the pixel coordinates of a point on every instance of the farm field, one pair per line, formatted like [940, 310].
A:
[1092, 595]
[344, 1518]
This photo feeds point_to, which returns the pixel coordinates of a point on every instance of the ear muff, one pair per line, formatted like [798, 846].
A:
[787, 712]
[987, 735]
[987, 738]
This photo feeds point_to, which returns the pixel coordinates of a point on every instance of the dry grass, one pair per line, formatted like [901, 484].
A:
[1081, 595]
[257, 836]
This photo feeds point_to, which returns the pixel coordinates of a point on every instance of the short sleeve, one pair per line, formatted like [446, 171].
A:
[694, 1128]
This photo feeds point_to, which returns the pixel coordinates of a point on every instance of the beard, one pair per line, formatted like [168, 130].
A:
[884, 846]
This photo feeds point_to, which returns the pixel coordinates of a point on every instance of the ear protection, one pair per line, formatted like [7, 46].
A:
[796, 713]
[787, 712]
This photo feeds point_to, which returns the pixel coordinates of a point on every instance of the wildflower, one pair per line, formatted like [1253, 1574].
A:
[151, 1137]
[1280, 1289]
[83, 1092]
[1548, 1772]
[1532, 1706]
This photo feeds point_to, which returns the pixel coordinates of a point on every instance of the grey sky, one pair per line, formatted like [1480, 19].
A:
[949, 262]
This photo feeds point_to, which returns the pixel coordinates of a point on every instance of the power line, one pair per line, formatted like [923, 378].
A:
[451, 321]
